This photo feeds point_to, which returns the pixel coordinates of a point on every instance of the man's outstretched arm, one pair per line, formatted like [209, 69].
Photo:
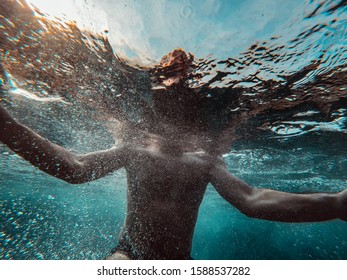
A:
[54, 159]
[276, 205]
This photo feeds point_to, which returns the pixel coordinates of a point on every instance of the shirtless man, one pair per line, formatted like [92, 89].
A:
[165, 189]
[167, 180]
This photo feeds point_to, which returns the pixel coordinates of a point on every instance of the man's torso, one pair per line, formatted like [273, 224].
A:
[164, 195]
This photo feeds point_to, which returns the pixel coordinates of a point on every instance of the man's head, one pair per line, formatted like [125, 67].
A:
[173, 68]
[177, 57]
[181, 116]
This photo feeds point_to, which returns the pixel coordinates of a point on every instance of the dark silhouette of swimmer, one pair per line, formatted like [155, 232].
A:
[167, 173]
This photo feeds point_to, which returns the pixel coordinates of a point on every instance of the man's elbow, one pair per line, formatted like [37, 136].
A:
[258, 205]
[72, 176]
[250, 206]
[248, 211]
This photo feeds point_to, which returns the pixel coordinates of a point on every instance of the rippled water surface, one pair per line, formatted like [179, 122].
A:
[269, 78]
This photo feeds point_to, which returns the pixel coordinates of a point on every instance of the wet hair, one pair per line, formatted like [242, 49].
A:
[175, 64]
[177, 56]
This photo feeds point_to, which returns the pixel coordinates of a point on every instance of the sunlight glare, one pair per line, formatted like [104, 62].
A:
[83, 13]
[55, 8]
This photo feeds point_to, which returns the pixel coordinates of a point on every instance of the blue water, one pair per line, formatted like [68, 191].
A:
[45, 218]
[289, 86]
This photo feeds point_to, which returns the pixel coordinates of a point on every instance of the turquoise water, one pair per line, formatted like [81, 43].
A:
[284, 80]
[45, 218]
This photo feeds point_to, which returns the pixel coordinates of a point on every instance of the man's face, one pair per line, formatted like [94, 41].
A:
[172, 80]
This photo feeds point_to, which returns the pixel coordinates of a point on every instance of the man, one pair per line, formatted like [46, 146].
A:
[167, 178]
